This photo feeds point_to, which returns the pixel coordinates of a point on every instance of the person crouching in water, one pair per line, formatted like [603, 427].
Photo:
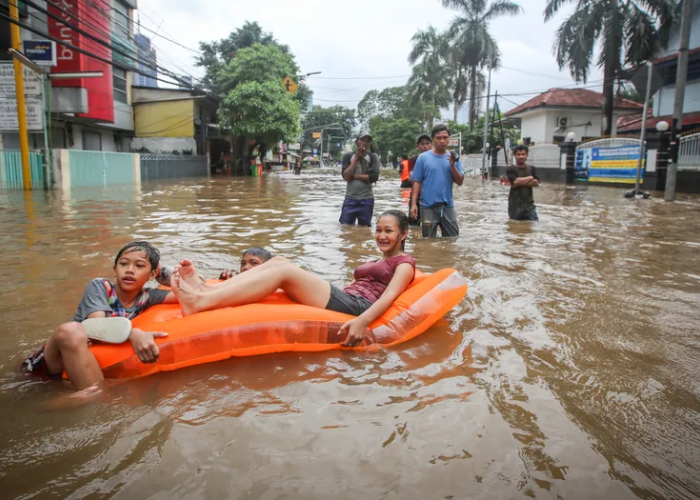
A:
[68, 348]
[360, 170]
[377, 283]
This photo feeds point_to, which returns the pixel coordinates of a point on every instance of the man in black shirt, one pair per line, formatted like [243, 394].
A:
[522, 178]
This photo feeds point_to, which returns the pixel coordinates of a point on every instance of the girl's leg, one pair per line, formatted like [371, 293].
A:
[187, 271]
[253, 286]
[68, 350]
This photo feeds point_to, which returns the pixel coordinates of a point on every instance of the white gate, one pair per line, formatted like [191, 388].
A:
[689, 152]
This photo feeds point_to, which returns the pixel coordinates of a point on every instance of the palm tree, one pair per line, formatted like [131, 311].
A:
[431, 79]
[629, 32]
[469, 31]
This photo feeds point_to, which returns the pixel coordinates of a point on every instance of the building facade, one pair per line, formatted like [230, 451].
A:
[145, 52]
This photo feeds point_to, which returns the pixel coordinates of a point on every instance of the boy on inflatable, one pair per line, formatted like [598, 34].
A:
[377, 283]
[67, 349]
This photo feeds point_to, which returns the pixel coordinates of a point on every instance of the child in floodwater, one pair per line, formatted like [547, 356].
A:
[67, 349]
[253, 257]
[377, 283]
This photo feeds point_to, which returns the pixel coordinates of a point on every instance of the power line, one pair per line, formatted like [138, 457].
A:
[535, 74]
[96, 26]
[83, 51]
[359, 77]
[149, 30]
[86, 34]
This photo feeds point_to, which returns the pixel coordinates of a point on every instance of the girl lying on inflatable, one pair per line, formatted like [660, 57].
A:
[377, 283]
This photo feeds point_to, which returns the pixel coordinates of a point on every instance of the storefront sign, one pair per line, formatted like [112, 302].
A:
[42, 52]
[8, 115]
[96, 21]
[32, 83]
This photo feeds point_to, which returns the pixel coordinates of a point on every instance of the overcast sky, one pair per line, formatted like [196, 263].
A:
[366, 40]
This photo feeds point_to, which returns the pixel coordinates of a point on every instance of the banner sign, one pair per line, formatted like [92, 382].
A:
[617, 164]
[8, 115]
[42, 52]
[32, 83]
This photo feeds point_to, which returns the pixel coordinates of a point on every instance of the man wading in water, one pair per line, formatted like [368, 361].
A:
[360, 170]
[432, 178]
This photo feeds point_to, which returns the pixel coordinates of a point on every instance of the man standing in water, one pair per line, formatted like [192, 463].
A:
[360, 170]
[432, 177]
[522, 178]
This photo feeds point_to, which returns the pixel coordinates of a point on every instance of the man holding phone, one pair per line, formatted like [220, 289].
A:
[435, 172]
[360, 170]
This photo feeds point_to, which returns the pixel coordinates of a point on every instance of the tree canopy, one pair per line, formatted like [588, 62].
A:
[627, 32]
[319, 117]
[255, 103]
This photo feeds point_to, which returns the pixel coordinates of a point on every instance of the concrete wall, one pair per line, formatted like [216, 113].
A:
[164, 119]
[164, 144]
[674, 41]
[541, 125]
[73, 168]
[663, 100]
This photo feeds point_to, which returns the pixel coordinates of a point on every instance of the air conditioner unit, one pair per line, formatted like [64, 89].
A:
[562, 122]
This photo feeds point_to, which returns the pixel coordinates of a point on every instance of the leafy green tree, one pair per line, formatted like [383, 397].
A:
[217, 56]
[258, 63]
[391, 102]
[255, 104]
[474, 47]
[263, 111]
[318, 117]
[397, 136]
[432, 75]
[627, 32]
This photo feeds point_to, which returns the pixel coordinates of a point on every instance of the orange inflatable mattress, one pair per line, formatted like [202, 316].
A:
[277, 325]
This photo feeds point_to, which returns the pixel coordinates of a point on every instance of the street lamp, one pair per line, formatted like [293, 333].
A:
[310, 74]
[662, 156]
[571, 136]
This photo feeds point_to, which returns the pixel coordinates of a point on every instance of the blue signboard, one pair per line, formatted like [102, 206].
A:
[42, 52]
[618, 164]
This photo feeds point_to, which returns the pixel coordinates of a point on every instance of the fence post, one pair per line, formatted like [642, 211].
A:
[569, 150]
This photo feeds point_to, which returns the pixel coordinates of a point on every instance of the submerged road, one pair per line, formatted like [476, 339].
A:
[569, 371]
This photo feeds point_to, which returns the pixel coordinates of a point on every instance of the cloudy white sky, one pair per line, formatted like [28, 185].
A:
[359, 45]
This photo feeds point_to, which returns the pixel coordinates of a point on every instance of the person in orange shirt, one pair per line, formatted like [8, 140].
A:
[405, 173]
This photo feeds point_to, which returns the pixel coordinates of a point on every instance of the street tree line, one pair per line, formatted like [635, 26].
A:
[449, 68]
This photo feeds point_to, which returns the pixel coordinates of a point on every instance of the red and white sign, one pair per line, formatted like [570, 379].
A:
[100, 91]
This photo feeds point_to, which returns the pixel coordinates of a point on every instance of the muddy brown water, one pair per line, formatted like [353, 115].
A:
[571, 370]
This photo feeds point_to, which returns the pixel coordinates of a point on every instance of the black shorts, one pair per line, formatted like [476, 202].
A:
[346, 303]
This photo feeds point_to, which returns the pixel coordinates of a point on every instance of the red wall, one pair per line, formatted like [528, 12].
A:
[94, 20]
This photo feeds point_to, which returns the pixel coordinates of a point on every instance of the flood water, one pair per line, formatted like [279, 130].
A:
[571, 370]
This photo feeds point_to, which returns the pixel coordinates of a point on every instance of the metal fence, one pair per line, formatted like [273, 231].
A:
[155, 167]
[689, 152]
[11, 176]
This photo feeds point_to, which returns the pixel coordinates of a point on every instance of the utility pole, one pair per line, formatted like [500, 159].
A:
[19, 92]
[681, 73]
[486, 127]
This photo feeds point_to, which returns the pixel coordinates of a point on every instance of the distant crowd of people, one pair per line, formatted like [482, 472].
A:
[430, 175]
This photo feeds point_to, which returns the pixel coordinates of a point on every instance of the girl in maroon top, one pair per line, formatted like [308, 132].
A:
[377, 283]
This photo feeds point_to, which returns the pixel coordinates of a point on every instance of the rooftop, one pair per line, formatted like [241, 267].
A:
[572, 98]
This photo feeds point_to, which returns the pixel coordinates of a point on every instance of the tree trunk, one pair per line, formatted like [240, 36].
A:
[472, 96]
[456, 108]
[612, 59]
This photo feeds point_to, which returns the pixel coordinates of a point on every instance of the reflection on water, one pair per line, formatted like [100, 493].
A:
[570, 371]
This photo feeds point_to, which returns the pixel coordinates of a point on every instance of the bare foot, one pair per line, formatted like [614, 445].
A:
[188, 273]
[186, 295]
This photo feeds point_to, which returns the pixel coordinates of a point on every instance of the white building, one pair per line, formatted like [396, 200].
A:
[550, 116]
